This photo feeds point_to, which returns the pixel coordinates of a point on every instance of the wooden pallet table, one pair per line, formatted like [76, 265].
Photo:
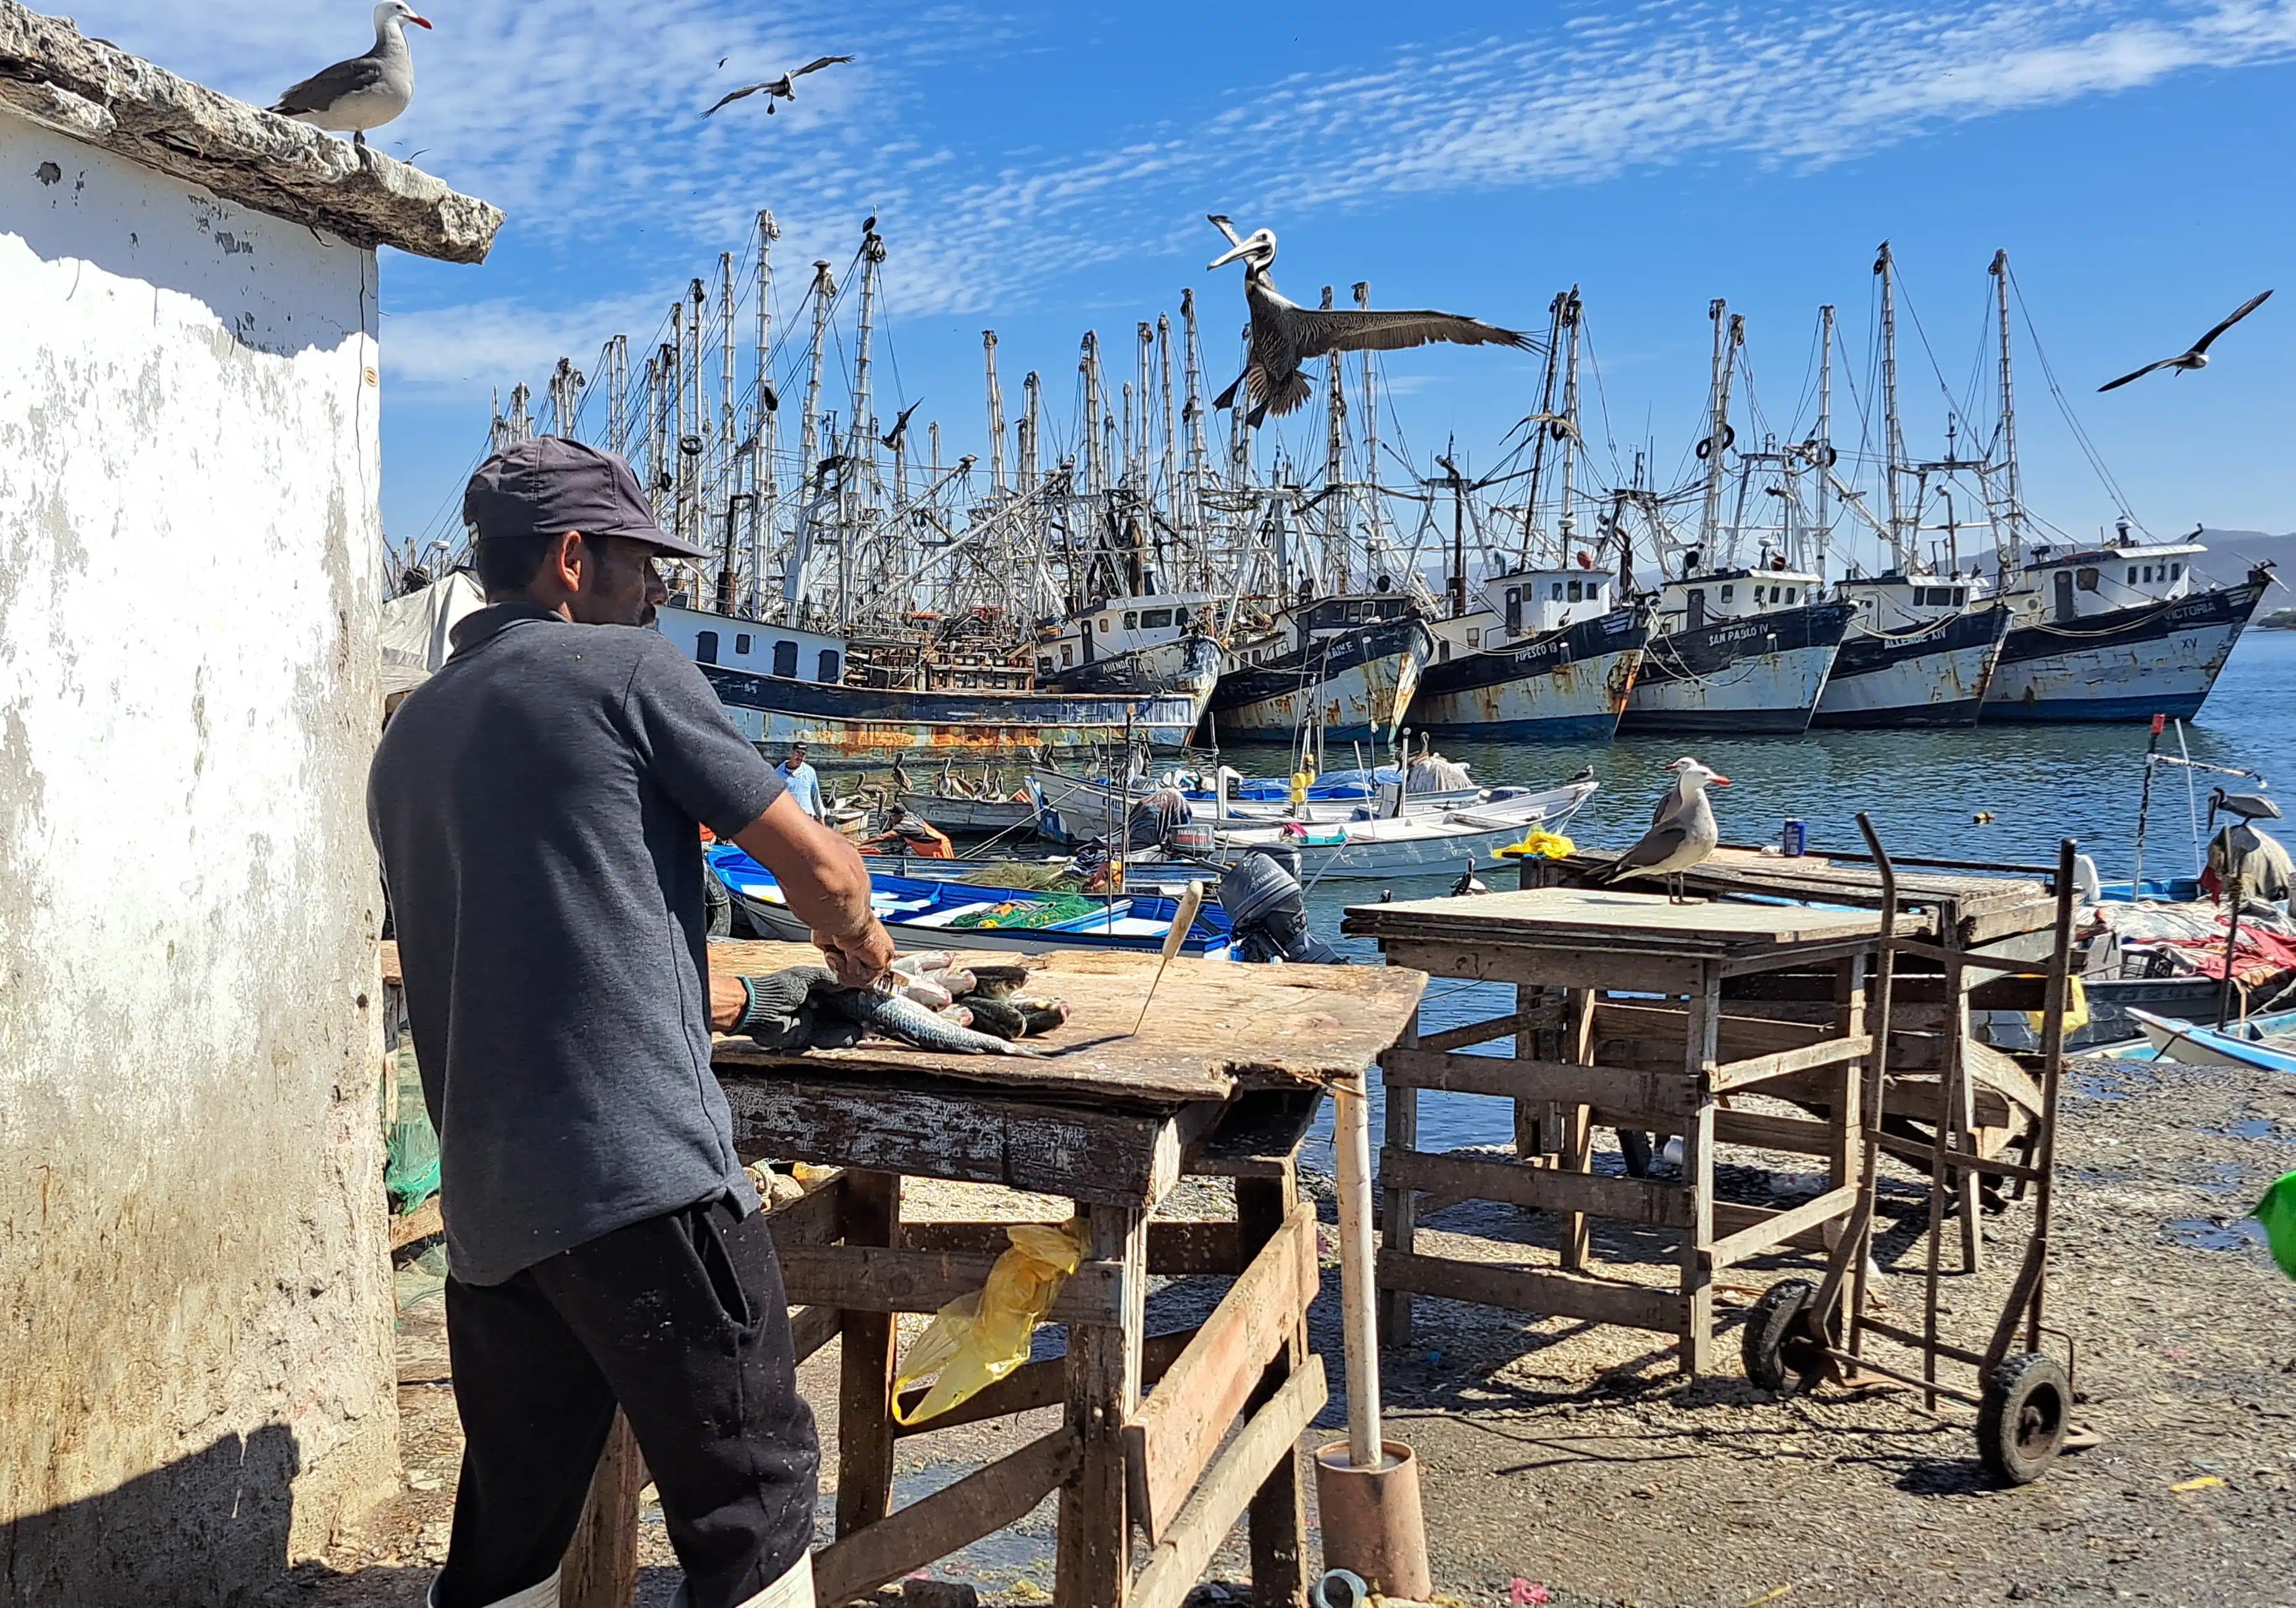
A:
[1166, 1440]
[1648, 1043]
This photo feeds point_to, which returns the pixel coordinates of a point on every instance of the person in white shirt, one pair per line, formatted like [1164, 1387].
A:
[803, 781]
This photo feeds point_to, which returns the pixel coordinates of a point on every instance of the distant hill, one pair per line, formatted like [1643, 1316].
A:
[2231, 552]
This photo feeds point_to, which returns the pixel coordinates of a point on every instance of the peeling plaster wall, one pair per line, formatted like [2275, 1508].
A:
[196, 1381]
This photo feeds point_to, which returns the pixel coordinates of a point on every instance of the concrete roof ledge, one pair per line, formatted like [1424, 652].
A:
[96, 93]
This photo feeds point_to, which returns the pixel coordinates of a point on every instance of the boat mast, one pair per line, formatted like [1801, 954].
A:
[1373, 511]
[673, 380]
[1335, 441]
[1095, 470]
[1904, 554]
[1566, 525]
[995, 416]
[1172, 499]
[1727, 331]
[1192, 411]
[617, 396]
[764, 481]
[727, 466]
[861, 428]
[808, 437]
[691, 440]
[656, 481]
[2011, 554]
[1031, 418]
[1822, 446]
[1538, 423]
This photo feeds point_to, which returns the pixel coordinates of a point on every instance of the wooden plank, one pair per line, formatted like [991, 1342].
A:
[1177, 1250]
[1615, 1087]
[1399, 1208]
[1798, 1136]
[600, 1569]
[865, 1389]
[1613, 915]
[1729, 1217]
[1217, 1027]
[1573, 966]
[1542, 1292]
[1963, 957]
[1742, 1034]
[1273, 1435]
[880, 1279]
[1258, 1136]
[1278, 1516]
[929, 1529]
[1637, 1201]
[1474, 1032]
[419, 1223]
[1785, 1063]
[813, 1327]
[1121, 1154]
[1092, 1552]
[1180, 1424]
[1781, 1227]
[1033, 1385]
[814, 1220]
[1696, 1355]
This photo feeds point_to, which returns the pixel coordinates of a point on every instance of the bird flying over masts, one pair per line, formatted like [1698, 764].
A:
[783, 88]
[1285, 334]
[892, 438]
[2198, 356]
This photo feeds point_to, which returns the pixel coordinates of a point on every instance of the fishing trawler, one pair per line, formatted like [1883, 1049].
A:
[1349, 666]
[1922, 650]
[1143, 646]
[2116, 633]
[1556, 660]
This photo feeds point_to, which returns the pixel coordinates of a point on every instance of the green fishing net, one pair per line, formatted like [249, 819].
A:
[410, 1168]
[2277, 1213]
[1048, 911]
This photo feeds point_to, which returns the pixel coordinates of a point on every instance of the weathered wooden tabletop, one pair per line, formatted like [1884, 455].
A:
[1611, 917]
[1215, 1027]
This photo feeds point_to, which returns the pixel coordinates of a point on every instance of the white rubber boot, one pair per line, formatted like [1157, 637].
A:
[542, 1594]
[794, 1589]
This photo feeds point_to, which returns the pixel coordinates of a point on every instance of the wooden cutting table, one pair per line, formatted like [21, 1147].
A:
[1223, 1079]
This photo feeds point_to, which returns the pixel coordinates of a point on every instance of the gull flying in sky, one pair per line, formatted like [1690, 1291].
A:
[778, 89]
[366, 91]
[2198, 358]
[1284, 334]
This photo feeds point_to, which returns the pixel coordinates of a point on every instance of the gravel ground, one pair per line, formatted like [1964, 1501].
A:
[1573, 1458]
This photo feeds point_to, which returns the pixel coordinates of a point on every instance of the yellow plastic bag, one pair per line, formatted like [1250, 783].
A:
[2076, 1011]
[978, 1339]
[1547, 845]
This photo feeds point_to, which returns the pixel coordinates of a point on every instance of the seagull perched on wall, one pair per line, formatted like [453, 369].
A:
[1682, 832]
[2198, 358]
[1284, 334]
[366, 91]
[783, 88]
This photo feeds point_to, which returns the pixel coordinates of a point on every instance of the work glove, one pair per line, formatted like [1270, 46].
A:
[794, 1011]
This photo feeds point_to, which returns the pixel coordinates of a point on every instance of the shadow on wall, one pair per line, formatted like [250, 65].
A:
[209, 1529]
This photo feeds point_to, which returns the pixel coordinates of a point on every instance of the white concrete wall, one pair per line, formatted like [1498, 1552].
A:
[195, 1360]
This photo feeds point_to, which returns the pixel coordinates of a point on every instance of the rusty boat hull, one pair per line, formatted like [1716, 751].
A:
[889, 722]
[2129, 664]
[1759, 673]
[1355, 684]
[1570, 684]
[1931, 676]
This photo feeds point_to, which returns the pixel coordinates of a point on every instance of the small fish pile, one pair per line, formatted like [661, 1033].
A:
[929, 1001]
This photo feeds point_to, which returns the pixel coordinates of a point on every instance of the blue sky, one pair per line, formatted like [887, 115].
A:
[1043, 170]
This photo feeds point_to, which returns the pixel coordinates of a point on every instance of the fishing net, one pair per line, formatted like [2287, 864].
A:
[410, 1168]
[1049, 911]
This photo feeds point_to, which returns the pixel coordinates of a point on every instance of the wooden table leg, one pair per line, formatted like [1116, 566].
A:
[1279, 1511]
[865, 1395]
[1402, 1205]
[601, 1566]
[1705, 1025]
[1576, 1124]
[1092, 1557]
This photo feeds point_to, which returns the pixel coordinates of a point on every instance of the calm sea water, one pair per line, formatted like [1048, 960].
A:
[2041, 784]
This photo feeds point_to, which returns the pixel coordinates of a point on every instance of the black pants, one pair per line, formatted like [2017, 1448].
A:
[682, 1321]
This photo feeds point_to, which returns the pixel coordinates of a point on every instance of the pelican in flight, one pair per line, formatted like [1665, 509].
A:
[2198, 358]
[778, 89]
[1284, 334]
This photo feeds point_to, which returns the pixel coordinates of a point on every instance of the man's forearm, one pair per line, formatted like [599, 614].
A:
[820, 874]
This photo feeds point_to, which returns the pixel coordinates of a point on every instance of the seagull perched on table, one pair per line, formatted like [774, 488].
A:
[1284, 334]
[2198, 358]
[1682, 832]
[366, 91]
[783, 88]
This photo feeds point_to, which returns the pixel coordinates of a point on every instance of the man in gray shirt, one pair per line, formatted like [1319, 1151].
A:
[536, 805]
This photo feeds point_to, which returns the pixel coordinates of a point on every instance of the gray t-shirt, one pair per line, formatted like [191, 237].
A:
[535, 803]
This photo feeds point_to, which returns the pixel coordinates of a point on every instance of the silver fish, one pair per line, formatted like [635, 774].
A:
[897, 1017]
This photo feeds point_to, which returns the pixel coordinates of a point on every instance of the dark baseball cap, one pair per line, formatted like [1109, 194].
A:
[549, 485]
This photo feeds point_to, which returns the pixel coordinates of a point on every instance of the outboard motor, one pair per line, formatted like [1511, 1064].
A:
[1269, 912]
